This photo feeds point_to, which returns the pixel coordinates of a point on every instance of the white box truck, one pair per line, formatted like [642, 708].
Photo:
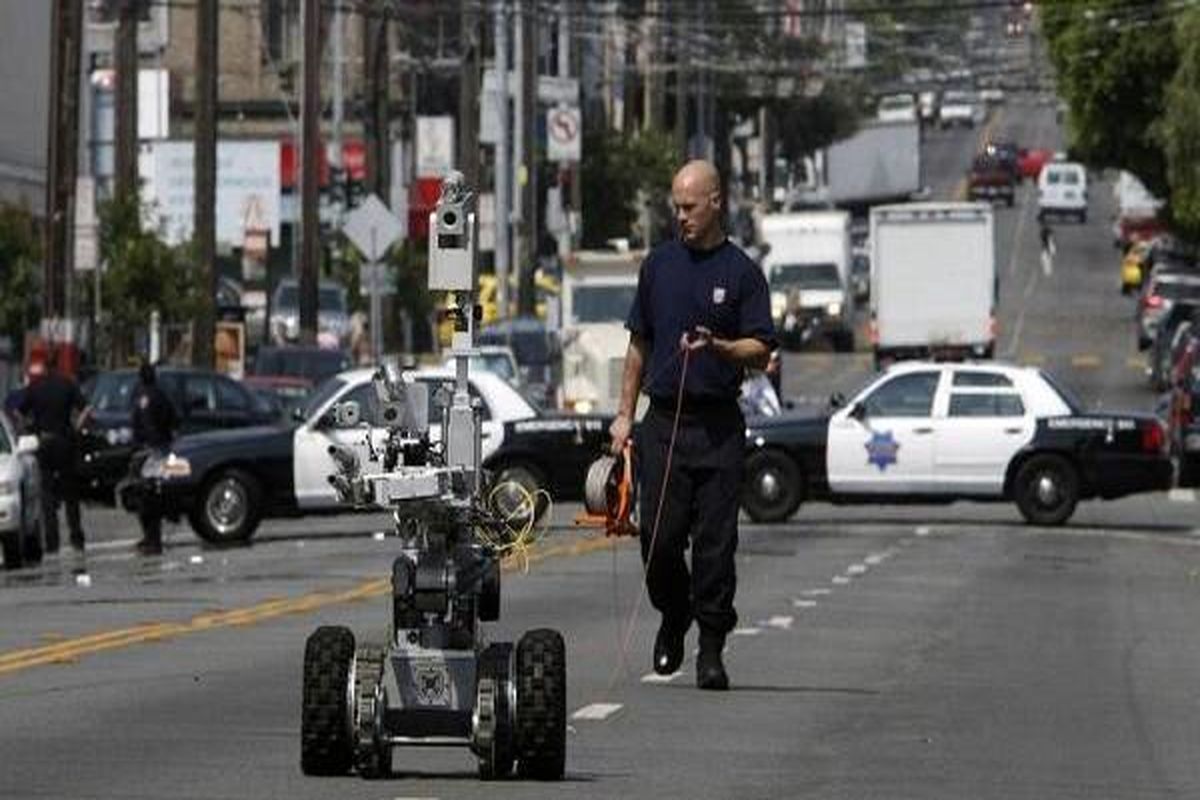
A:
[808, 271]
[598, 288]
[933, 286]
[878, 163]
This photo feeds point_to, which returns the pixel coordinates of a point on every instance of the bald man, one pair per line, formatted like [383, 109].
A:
[698, 295]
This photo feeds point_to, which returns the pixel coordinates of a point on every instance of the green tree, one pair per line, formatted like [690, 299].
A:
[20, 273]
[141, 274]
[621, 175]
[806, 124]
[1114, 61]
[1179, 129]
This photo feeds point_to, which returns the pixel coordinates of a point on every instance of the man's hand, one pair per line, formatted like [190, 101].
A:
[620, 431]
[700, 337]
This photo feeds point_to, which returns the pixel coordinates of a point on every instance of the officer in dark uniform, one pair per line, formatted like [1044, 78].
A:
[700, 294]
[154, 423]
[52, 406]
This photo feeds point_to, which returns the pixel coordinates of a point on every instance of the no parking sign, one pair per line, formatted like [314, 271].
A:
[564, 133]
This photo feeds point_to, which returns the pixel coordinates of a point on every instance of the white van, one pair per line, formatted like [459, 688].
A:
[1062, 190]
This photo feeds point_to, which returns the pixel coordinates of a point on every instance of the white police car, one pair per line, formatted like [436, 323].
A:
[930, 431]
[225, 482]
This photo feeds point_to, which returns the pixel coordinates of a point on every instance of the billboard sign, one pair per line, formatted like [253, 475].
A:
[248, 189]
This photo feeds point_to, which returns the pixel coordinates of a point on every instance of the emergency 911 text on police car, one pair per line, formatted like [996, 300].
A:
[935, 432]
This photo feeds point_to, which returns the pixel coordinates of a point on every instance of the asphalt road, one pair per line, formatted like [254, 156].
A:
[920, 652]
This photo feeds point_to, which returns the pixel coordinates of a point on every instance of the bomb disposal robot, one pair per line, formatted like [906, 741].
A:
[432, 679]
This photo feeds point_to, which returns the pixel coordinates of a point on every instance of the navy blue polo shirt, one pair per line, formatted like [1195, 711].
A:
[680, 288]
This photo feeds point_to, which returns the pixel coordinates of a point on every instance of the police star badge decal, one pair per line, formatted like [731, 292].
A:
[882, 449]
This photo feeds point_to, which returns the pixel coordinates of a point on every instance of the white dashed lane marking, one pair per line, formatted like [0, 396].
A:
[816, 592]
[747, 631]
[840, 580]
[597, 711]
[1182, 495]
[799, 603]
[781, 622]
[856, 569]
[922, 531]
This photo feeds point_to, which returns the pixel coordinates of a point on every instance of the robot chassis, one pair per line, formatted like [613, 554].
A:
[434, 680]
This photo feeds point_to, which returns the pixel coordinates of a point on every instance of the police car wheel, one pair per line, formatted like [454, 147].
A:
[1047, 490]
[228, 509]
[512, 489]
[773, 487]
[11, 542]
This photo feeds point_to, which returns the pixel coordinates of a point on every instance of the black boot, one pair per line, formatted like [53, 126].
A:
[668, 647]
[710, 669]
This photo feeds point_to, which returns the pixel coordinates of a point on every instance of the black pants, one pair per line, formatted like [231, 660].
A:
[700, 508]
[149, 506]
[60, 483]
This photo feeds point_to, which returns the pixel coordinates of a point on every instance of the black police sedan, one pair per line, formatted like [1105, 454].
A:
[203, 401]
[226, 482]
[929, 432]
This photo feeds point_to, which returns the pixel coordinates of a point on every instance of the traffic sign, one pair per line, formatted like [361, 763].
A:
[564, 134]
[373, 229]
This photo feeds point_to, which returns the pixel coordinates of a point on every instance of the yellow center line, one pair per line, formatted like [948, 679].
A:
[1085, 361]
[68, 651]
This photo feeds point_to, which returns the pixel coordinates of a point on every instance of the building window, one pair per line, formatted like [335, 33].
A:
[280, 25]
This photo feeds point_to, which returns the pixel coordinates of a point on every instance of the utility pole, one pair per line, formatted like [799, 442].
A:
[310, 145]
[62, 157]
[520, 174]
[375, 87]
[570, 63]
[527, 218]
[126, 59]
[503, 164]
[205, 228]
[337, 174]
[468, 96]
[682, 79]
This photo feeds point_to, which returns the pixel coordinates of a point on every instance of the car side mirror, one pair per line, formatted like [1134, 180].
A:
[27, 444]
[298, 414]
[837, 400]
[858, 412]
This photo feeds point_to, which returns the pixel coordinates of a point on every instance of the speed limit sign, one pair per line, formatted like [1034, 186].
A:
[564, 133]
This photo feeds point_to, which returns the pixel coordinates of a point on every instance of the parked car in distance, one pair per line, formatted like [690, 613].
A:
[1181, 406]
[1134, 267]
[958, 108]
[1162, 290]
[333, 318]
[203, 400]
[298, 361]
[897, 108]
[538, 354]
[21, 528]
[494, 358]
